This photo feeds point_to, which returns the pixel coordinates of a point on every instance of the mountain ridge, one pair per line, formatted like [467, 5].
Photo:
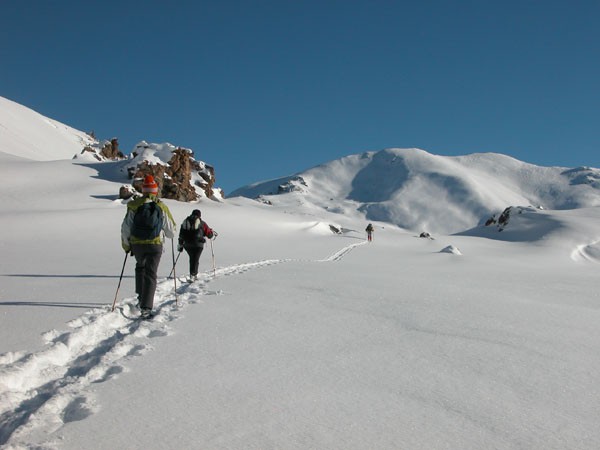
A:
[417, 190]
[410, 188]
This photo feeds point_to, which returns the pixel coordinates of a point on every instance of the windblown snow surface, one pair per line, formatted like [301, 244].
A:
[296, 337]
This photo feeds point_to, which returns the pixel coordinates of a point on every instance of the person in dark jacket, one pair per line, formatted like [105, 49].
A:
[192, 236]
[369, 231]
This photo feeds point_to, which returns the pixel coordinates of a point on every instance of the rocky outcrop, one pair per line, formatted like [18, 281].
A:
[145, 168]
[108, 151]
[111, 150]
[502, 221]
[179, 176]
[334, 229]
[491, 221]
[89, 150]
[504, 218]
[127, 191]
[207, 177]
[264, 200]
[177, 183]
[295, 184]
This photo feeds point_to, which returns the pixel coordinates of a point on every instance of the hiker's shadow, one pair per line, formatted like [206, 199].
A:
[52, 304]
[45, 275]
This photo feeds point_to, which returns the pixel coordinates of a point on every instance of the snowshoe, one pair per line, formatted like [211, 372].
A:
[146, 314]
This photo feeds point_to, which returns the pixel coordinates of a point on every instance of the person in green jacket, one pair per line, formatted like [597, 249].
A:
[146, 224]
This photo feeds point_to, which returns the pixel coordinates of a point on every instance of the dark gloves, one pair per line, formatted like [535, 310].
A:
[180, 248]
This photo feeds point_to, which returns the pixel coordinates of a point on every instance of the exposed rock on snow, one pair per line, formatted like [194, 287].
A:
[262, 199]
[127, 191]
[334, 229]
[111, 150]
[179, 176]
[504, 218]
[293, 185]
[108, 151]
[522, 224]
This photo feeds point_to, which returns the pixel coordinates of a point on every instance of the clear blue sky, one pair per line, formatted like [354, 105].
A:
[265, 88]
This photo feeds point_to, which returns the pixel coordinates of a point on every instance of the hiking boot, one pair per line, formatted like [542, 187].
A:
[146, 313]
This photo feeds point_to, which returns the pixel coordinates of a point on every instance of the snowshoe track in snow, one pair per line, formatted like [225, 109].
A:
[340, 254]
[587, 252]
[55, 381]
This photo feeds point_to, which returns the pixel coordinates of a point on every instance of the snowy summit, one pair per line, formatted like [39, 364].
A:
[416, 190]
[441, 333]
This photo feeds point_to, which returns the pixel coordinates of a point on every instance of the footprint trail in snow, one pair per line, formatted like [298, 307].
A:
[42, 391]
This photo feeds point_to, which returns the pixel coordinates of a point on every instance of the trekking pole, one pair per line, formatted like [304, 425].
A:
[213, 258]
[119, 285]
[173, 269]
[174, 275]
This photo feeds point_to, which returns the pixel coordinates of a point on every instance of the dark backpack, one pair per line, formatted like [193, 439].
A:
[189, 233]
[147, 221]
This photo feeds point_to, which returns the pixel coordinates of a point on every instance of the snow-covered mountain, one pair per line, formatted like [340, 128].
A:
[409, 188]
[293, 336]
[27, 134]
[416, 190]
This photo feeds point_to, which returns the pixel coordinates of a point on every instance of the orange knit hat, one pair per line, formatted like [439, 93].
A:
[149, 186]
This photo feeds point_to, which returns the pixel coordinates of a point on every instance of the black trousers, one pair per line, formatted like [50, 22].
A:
[147, 257]
[194, 254]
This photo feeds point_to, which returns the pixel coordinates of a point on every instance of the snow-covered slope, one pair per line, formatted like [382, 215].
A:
[27, 134]
[296, 337]
[419, 191]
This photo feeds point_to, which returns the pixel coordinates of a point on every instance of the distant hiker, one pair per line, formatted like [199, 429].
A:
[369, 231]
[143, 229]
[192, 234]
